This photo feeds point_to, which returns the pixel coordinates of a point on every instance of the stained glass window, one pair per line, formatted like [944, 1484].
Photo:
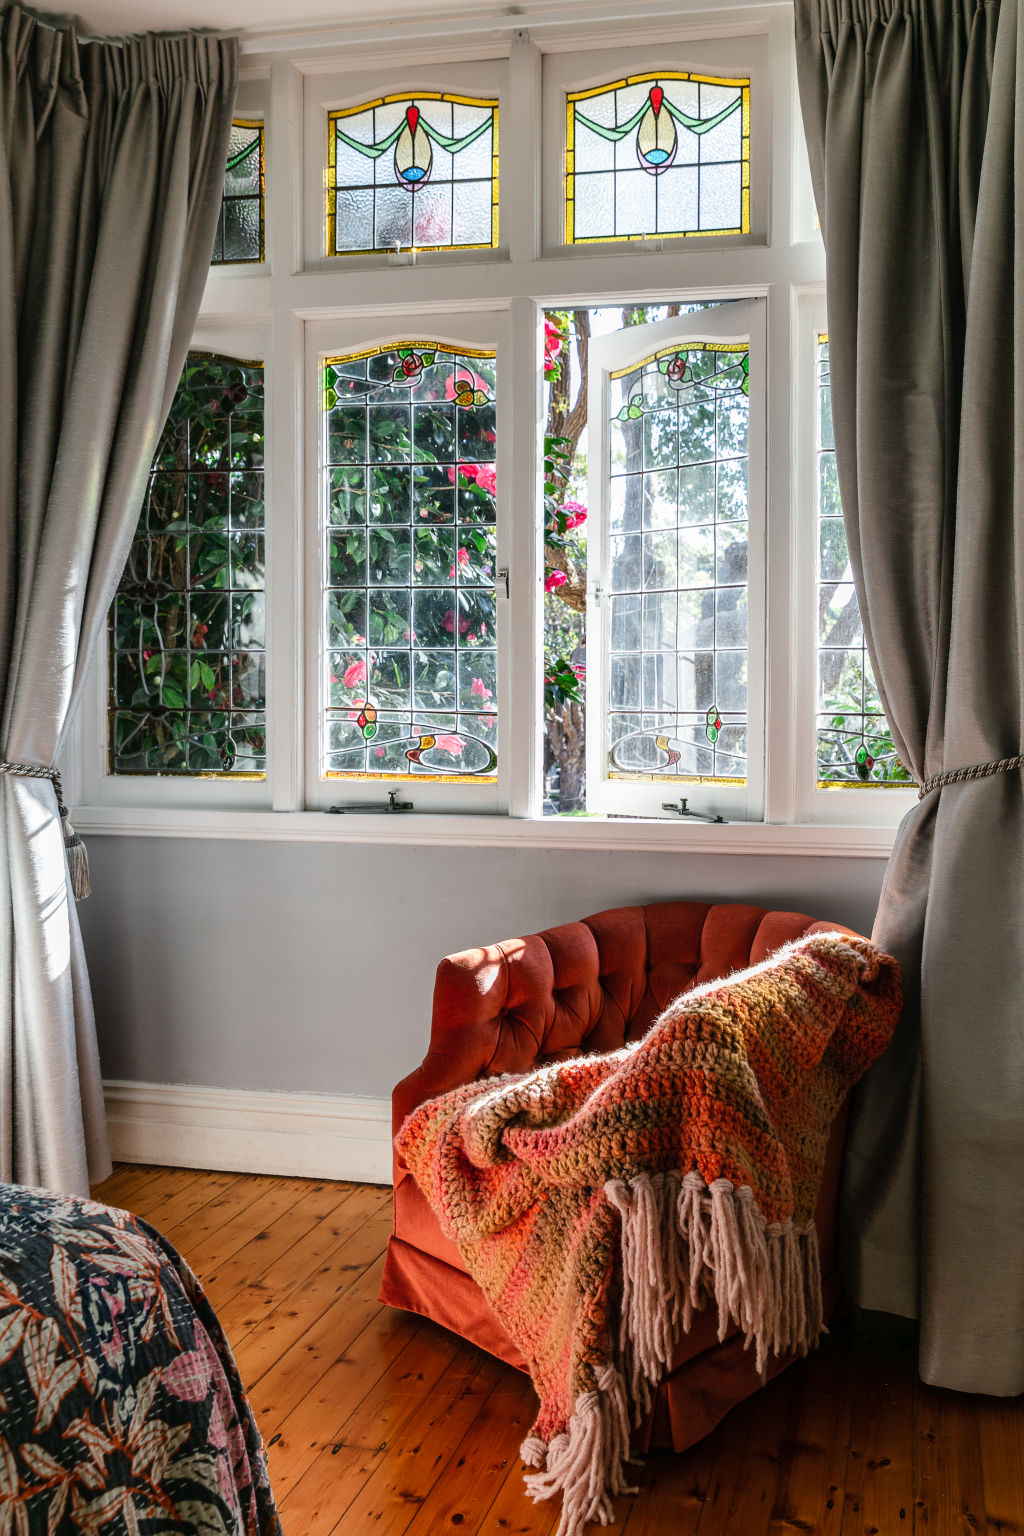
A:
[854, 742]
[187, 625]
[410, 550]
[240, 228]
[677, 565]
[413, 171]
[658, 154]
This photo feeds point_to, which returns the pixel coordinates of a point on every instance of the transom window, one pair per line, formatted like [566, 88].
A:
[408, 171]
[658, 154]
[240, 235]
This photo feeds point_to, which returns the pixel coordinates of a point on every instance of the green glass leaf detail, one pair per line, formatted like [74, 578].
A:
[369, 731]
[663, 365]
[330, 399]
[634, 412]
[427, 358]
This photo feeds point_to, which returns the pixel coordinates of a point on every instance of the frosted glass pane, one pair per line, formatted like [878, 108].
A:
[432, 216]
[350, 167]
[592, 153]
[476, 160]
[595, 206]
[472, 213]
[724, 142]
[393, 217]
[677, 200]
[242, 229]
[353, 227]
[697, 494]
[720, 197]
[634, 203]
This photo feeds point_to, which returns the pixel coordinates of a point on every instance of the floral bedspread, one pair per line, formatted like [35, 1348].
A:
[121, 1408]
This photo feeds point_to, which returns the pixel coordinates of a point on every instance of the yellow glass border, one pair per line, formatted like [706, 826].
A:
[355, 357]
[252, 261]
[572, 97]
[737, 347]
[384, 101]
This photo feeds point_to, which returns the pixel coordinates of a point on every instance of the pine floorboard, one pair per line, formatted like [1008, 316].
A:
[380, 1422]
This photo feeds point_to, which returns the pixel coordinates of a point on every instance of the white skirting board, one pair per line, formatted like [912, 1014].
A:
[310, 1135]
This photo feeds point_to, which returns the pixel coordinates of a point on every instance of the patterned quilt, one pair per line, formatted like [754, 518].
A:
[121, 1409]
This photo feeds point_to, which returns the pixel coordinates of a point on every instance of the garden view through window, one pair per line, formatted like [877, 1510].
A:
[855, 745]
[187, 685]
[410, 683]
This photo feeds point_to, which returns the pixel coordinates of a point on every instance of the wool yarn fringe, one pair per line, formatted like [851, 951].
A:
[683, 1244]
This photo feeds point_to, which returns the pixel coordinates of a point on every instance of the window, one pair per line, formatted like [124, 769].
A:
[188, 626]
[240, 228]
[409, 638]
[550, 530]
[855, 747]
[413, 171]
[658, 154]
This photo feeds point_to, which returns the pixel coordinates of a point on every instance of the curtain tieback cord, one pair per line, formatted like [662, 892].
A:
[977, 771]
[78, 859]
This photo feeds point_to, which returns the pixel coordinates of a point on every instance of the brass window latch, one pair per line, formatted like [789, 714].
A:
[683, 809]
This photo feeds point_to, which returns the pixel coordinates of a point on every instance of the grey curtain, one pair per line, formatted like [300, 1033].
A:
[914, 114]
[111, 166]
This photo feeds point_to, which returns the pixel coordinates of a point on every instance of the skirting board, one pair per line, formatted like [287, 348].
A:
[309, 1135]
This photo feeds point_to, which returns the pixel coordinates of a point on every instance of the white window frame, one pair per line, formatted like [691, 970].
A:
[744, 55]
[333, 338]
[743, 321]
[488, 78]
[298, 288]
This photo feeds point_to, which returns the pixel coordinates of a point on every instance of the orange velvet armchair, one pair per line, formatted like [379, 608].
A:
[581, 987]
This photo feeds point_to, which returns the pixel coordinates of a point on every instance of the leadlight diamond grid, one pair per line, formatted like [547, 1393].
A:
[187, 628]
[410, 548]
[677, 565]
[665, 154]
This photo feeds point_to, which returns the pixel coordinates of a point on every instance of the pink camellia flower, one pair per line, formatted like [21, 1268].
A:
[486, 477]
[478, 688]
[355, 673]
[576, 514]
[378, 751]
[452, 744]
[462, 559]
[357, 705]
[556, 579]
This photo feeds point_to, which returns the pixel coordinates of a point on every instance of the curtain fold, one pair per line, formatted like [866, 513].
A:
[111, 168]
[914, 111]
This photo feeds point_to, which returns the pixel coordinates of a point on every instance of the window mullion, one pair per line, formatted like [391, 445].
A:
[522, 635]
[286, 536]
[786, 628]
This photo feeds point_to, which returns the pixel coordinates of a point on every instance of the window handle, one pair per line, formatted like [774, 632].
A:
[683, 809]
[369, 808]
[501, 579]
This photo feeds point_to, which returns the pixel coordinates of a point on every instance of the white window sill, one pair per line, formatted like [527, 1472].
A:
[422, 830]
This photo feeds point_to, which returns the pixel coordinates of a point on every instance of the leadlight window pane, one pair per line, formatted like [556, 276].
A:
[187, 686]
[413, 171]
[854, 744]
[409, 623]
[658, 154]
[677, 565]
[240, 227]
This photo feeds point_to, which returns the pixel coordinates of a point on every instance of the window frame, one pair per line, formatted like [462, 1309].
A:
[781, 261]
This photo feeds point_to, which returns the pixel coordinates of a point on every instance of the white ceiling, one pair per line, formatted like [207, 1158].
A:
[120, 16]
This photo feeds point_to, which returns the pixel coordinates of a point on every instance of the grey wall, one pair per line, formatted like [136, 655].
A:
[309, 967]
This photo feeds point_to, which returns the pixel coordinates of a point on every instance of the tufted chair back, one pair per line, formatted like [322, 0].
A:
[580, 987]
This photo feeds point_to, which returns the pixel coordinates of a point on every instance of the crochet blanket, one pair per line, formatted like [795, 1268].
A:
[599, 1202]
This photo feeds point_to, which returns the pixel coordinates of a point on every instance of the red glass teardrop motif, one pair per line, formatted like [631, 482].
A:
[657, 97]
[412, 117]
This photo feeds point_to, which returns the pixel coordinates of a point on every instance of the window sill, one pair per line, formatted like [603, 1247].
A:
[422, 830]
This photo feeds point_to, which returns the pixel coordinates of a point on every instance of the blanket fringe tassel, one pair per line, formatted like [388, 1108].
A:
[765, 1277]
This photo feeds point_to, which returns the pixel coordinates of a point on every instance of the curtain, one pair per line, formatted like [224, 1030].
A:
[111, 166]
[914, 115]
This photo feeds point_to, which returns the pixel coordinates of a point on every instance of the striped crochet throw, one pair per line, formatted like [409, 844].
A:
[599, 1202]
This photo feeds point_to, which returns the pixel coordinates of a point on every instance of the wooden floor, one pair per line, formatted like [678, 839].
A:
[378, 1422]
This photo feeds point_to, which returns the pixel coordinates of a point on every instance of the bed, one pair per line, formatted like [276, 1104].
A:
[121, 1408]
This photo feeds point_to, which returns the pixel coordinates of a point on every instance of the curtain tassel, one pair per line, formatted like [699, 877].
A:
[78, 858]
